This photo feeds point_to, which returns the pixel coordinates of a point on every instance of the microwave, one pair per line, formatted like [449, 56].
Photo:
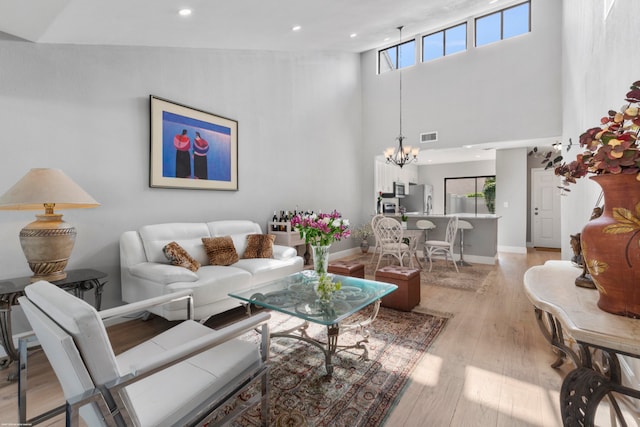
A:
[399, 189]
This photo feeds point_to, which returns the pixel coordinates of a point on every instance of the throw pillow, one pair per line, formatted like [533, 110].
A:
[259, 246]
[178, 256]
[220, 250]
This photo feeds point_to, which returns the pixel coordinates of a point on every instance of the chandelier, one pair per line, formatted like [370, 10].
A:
[401, 155]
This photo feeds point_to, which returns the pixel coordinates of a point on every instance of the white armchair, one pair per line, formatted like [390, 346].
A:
[179, 377]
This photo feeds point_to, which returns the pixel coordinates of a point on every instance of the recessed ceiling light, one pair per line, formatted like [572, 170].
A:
[386, 39]
[296, 28]
[353, 35]
[184, 12]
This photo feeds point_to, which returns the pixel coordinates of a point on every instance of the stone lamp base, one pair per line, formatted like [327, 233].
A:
[47, 244]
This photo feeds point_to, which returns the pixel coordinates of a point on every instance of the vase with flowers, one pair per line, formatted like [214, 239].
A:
[364, 232]
[325, 288]
[320, 231]
[611, 242]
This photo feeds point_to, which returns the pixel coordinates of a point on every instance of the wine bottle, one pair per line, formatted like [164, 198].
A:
[274, 227]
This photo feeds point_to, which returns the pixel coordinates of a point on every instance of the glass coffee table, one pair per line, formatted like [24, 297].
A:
[295, 296]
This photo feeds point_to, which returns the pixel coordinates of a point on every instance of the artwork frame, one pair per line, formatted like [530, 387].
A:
[191, 148]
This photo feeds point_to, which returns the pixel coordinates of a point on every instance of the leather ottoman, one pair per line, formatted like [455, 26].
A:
[407, 279]
[347, 268]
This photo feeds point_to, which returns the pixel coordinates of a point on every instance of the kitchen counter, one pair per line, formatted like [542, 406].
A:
[464, 216]
[480, 243]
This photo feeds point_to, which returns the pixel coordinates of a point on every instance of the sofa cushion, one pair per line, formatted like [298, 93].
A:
[259, 246]
[187, 234]
[213, 284]
[162, 273]
[220, 250]
[237, 229]
[178, 256]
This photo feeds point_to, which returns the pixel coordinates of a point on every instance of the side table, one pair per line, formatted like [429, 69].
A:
[77, 282]
[597, 342]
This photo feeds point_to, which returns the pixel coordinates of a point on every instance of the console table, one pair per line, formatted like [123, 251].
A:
[593, 339]
[77, 282]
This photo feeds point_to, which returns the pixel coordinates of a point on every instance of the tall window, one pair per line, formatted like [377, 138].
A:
[503, 24]
[399, 56]
[445, 42]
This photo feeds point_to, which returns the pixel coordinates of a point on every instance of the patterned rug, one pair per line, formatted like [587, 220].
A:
[474, 278]
[360, 392]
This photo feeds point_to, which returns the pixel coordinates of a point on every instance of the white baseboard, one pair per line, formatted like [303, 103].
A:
[513, 249]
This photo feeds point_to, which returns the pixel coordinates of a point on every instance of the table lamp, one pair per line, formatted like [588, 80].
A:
[48, 241]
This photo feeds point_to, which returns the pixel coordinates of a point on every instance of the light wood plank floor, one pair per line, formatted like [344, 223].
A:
[489, 367]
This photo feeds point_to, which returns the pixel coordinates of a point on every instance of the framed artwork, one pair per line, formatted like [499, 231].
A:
[192, 148]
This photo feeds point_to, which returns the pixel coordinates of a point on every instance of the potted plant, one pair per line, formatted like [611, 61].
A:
[611, 242]
[364, 232]
[489, 193]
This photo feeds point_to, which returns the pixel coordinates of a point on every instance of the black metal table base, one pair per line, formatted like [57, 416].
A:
[76, 282]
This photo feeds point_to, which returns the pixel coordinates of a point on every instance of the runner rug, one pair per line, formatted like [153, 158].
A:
[360, 392]
[474, 278]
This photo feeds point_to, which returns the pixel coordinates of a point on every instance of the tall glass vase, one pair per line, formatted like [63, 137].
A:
[320, 259]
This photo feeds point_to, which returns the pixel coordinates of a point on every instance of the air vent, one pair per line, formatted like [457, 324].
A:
[428, 137]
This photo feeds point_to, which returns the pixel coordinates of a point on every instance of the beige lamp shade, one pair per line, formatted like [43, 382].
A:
[46, 186]
[47, 242]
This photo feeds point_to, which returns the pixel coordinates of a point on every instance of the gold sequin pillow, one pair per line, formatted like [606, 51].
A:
[220, 250]
[178, 256]
[259, 246]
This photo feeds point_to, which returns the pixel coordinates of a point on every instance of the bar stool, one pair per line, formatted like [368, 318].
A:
[463, 225]
[425, 224]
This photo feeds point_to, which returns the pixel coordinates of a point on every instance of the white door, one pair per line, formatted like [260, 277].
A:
[545, 208]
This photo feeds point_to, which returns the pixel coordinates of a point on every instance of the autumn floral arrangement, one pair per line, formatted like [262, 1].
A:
[612, 147]
[321, 229]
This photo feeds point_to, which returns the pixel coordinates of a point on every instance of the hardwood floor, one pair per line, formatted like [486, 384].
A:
[489, 367]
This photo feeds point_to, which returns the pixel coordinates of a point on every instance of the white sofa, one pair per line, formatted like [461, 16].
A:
[146, 272]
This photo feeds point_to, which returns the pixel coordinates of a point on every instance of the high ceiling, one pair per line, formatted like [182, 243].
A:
[326, 25]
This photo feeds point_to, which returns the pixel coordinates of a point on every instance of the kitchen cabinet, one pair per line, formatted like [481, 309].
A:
[387, 173]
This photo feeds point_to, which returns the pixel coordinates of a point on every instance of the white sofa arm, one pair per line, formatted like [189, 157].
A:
[284, 252]
[162, 273]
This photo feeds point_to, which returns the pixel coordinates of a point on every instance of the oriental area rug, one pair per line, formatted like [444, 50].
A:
[360, 392]
[473, 278]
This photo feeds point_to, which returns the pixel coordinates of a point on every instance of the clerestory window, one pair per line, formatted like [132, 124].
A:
[506, 23]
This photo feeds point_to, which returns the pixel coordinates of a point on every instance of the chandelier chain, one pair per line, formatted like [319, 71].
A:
[400, 155]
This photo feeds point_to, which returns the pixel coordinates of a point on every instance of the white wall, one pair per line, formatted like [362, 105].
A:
[511, 199]
[84, 109]
[509, 90]
[600, 61]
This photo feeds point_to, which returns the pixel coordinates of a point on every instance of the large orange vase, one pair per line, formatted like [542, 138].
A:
[611, 245]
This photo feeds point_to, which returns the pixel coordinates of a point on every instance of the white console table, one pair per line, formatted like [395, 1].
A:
[593, 339]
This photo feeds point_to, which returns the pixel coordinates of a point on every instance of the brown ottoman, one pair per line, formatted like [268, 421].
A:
[407, 279]
[347, 268]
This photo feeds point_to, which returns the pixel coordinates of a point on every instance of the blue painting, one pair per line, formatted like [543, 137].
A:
[195, 149]
[192, 148]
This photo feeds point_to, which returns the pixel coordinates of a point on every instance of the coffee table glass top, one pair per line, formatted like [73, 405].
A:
[295, 295]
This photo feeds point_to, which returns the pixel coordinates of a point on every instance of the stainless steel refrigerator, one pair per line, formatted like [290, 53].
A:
[419, 199]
